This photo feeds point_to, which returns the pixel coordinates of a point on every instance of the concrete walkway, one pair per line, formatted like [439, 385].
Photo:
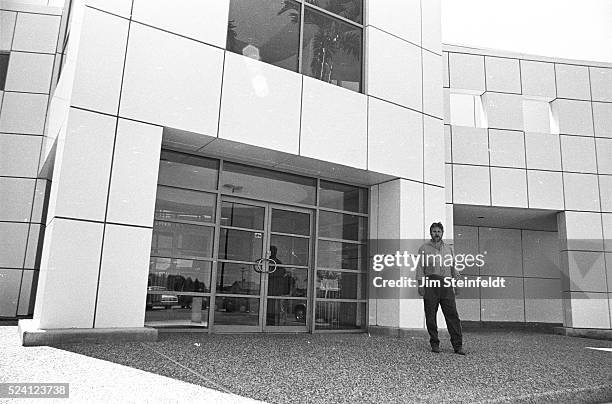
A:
[95, 380]
[501, 366]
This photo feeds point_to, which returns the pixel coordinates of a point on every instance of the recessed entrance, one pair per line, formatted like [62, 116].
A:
[263, 268]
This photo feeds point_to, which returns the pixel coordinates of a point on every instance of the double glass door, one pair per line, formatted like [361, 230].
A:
[263, 274]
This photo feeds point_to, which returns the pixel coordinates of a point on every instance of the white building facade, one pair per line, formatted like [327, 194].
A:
[232, 165]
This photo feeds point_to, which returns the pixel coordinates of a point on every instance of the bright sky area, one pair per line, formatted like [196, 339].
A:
[571, 29]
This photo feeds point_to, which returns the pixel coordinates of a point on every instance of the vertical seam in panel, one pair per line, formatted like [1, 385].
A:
[300, 123]
[221, 94]
[523, 279]
[14, 30]
[110, 175]
[490, 171]
[526, 171]
[521, 81]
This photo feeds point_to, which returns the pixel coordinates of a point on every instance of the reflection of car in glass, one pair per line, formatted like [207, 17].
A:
[160, 300]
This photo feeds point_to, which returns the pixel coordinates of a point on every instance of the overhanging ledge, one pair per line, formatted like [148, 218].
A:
[31, 335]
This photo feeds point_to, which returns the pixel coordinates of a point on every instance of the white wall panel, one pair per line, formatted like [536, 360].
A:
[82, 167]
[171, 81]
[16, 195]
[330, 109]
[578, 154]
[471, 185]
[537, 116]
[432, 84]
[434, 209]
[467, 72]
[124, 271]
[19, 155]
[434, 149]
[581, 192]
[470, 145]
[11, 280]
[260, 104]
[503, 111]
[134, 177]
[543, 151]
[504, 304]
[507, 148]
[586, 271]
[508, 187]
[543, 310]
[448, 172]
[580, 231]
[573, 117]
[394, 69]
[7, 27]
[589, 310]
[503, 75]
[601, 83]
[23, 113]
[411, 214]
[605, 190]
[36, 33]
[204, 21]
[69, 274]
[602, 118]
[604, 156]
[395, 149]
[97, 85]
[573, 82]
[545, 190]
[541, 255]
[12, 249]
[538, 79]
[122, 8]
[29, 72]
[432, 25]
[384, 16]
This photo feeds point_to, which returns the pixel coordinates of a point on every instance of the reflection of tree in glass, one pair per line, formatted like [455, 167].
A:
[232, 35]
[331, 36]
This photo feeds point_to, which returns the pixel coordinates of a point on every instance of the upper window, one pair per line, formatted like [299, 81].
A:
[320, 38]
[4, 60]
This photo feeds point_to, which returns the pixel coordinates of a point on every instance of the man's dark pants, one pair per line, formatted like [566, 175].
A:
[444, 297]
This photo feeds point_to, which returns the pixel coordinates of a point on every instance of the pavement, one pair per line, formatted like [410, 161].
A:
[501, 366]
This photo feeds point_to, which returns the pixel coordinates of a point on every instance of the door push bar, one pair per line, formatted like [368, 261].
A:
[259, 266]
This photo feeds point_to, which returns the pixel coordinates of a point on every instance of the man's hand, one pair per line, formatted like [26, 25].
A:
[421, 291]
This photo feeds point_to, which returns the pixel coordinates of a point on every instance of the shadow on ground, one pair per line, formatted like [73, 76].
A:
[514, 366]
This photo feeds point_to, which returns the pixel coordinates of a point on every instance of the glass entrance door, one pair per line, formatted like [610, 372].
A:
[263, 268]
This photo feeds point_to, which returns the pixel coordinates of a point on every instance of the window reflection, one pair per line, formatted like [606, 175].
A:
[349, 9]
[340, 255]
[180, 275]
[343, 197]
[340, 285]
[176, 310]
[342, 226]
[339, 315]
[180, 204]
[181, 240]
[238, 279]
[331, 50]
[186, 171]
[266, 30]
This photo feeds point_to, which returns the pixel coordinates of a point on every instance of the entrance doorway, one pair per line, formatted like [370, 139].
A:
[264, 267]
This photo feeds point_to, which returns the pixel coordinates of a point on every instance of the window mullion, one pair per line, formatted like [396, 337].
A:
[300, 44]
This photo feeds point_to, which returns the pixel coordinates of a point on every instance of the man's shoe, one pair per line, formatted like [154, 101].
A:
[435, 349]
[459, 351]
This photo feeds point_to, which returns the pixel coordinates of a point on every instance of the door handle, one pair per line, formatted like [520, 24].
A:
[260, 266]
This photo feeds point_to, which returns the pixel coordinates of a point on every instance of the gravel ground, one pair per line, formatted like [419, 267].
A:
[501, 366]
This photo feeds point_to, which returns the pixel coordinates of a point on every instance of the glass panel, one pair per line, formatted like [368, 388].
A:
[180, 204]
[181, 240]
[349, 9]
[284, 221]
[266, 184]
[266, 30]
[340, 285]
[340, 255]
[236, 311]
[283, 312]
[246, 216]
[187, 171]
[240, 245]
[179, 275]
[343, 197]
[176, 310]
[341, 226]
[331, 50]
[288, 282]
[339, 316]
[4, 59]
[289, 250]
[239, 279]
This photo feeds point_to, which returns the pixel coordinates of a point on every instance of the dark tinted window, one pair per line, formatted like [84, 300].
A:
[4, 60]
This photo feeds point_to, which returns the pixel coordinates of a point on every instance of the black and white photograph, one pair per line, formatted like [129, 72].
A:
[306, 201]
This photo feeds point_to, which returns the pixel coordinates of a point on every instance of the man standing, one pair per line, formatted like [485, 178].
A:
[436, 262]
